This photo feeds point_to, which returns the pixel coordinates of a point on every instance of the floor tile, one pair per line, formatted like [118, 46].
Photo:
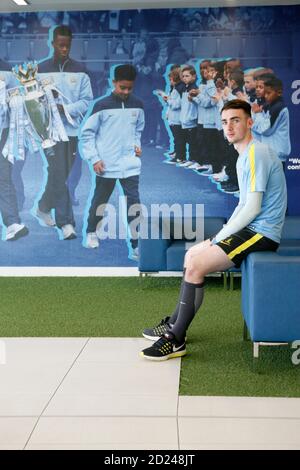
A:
[23, 404]
[129, 433]
[114, 446]
[117, 383]
[112, 404]
[136, 378]
[117, 350]
[33, 369]
[239, 447]
[44, 350]
[223, 432]
[14, 432]
[239, 407]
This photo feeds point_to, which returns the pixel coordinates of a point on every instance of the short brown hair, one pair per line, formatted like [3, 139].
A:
[237, 104]
[175, 74]
[189, 68]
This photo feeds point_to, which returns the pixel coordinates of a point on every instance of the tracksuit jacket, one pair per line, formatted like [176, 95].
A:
[189, 110]
[73, 82]
[272, 126]
[111, 133]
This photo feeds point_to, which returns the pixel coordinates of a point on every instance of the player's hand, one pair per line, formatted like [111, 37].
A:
[256, 108]
[194, 92]
[241, 96]
[226, 91]
[99, 167]
[220, 84]
[138, 151]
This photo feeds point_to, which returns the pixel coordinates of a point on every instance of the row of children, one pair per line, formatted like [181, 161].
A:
[193, 116]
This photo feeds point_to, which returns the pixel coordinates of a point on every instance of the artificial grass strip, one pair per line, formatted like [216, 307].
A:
[219, 362]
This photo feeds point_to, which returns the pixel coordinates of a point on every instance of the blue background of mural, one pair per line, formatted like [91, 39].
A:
[150, 39]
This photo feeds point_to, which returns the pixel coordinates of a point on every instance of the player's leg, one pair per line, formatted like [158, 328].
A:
[200, 260]
[103, 190]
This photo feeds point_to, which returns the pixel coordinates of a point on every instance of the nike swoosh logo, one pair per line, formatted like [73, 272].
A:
[176, 349]
[183, 303]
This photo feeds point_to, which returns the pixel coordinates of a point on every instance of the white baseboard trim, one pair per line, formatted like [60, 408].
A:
[45, 271]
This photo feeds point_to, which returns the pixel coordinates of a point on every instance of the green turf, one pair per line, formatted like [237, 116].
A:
[219, 362]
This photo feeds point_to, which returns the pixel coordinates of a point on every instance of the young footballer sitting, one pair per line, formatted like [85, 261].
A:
[255, 225]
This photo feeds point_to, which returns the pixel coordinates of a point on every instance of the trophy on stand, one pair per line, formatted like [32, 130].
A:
[36, 103]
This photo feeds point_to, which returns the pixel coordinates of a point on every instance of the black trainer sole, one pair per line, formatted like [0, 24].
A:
[172, 355]
[21, 233]
[71, 237]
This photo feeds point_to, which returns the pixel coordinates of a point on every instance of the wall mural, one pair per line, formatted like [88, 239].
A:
[110, 115]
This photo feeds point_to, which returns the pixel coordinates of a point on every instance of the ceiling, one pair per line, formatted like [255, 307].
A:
[61, 5]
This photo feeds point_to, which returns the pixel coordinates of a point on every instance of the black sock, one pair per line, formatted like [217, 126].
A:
[174, 315]
[190, 300]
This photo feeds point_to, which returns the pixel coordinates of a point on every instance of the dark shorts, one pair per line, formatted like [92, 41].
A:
[240, 244]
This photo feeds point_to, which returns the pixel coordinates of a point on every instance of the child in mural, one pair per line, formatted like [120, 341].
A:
[260, 101]
[272, 124]
[173, 102]
[250, 84]
[77, 89]
[9, 210]
[111, 140]
[211, 123]
[227, 177]
[188, 117]
[203, 101]
[236, 85]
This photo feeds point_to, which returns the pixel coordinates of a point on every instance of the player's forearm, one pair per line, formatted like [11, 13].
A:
[243, 218]
[238, 208]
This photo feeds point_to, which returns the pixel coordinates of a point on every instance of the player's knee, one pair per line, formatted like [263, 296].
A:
[193, 267]
[187, 257]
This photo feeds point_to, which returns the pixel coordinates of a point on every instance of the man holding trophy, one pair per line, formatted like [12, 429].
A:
[71, 80]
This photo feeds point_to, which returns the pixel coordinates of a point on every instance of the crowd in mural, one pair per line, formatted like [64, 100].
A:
[193, 115]
[171, 20]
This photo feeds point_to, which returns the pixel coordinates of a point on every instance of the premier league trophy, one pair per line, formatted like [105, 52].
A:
[35, 101]
[34, 117]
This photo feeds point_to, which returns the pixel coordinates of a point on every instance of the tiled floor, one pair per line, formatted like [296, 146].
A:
[81, 393]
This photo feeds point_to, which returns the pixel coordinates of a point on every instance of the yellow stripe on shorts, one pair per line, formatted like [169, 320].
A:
[252, 168]
[245, 245]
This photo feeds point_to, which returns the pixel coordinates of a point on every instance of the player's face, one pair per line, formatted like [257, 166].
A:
[203, 68]
[232, 84]
[249, 82]
[62, 46]
[172, 83]
[271, 95]
[236, 125]
[123, 88]
[187, 77]
[260, 89]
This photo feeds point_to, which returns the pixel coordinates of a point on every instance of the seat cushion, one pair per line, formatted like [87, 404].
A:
[289, 248]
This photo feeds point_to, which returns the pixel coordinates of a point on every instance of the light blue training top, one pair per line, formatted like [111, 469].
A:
[259, 169]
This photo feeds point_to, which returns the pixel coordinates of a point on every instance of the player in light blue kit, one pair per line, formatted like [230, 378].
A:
[255, 225]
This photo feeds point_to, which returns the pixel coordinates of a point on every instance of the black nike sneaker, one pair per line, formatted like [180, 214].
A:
[163, 349]
[157, 331]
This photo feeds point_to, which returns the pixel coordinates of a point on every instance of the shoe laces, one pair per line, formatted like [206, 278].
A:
[162, 326]
[164, 345]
